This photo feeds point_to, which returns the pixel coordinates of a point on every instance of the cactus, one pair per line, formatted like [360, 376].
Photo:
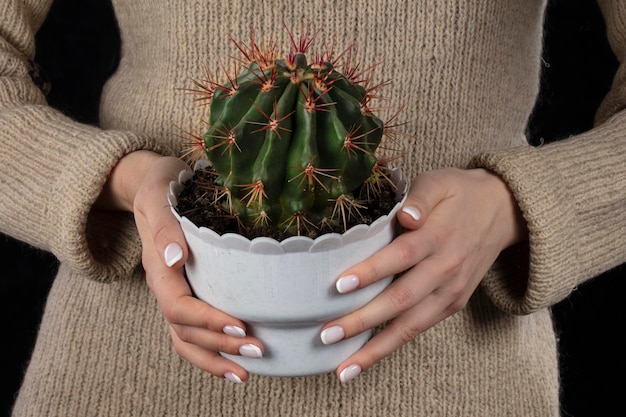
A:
[293, 142]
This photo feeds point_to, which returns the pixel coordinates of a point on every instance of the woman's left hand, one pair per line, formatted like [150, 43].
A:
[456, 224]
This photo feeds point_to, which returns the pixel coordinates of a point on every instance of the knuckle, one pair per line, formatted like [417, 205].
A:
[401, 297]
[160, 233]
[407, 333]
[178, 348]
[456, 306]
[458, 303]
[168, 313]
[456, 290]
[221, 344]
[183, 333]
[405, 253]
[454, 264]
[227, 348]
[177, 344]
[166, 309]
[433, 239]
[171, 311]
[360, 323]
[454, 296]
[438, 177]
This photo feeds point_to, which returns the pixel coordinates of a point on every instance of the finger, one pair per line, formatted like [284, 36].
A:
[180, 307]
[219, 341]
[196, 322]
[402, 253]
[402, 295]
[208, 361]
[426, 192]
[175, 297]
[399, 332]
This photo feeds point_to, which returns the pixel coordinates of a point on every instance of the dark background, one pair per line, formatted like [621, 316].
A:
[78, 49]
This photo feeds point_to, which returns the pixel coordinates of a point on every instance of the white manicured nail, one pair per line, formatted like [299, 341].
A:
[347, 283]
[332, 335]
[349, 373]
[250, 351]
[173, 253]
[234, 331]
[232, 377]
[413, 212]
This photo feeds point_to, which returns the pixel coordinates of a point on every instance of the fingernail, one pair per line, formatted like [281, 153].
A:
[413, 212]
[234, 331]
[173, 253]
[349, 373]
[232, 377]
[250, 351]
[332, 335]
[347, 283]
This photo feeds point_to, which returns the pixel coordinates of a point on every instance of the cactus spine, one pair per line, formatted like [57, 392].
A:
[292, 140]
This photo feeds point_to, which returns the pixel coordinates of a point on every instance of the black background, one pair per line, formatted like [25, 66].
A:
[78, 48]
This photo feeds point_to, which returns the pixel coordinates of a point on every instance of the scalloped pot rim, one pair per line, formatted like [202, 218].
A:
[328, 241]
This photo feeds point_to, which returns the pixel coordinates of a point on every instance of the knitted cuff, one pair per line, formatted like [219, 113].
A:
[541, 271]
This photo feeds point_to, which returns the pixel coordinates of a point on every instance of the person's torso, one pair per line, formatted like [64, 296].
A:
[465, 73]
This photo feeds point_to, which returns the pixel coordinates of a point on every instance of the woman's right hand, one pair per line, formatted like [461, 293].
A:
[140, 182]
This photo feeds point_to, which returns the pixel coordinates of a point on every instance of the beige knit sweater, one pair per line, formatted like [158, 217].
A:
[467, 73]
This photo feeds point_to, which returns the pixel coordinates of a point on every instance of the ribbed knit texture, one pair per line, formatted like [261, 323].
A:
[467, 75]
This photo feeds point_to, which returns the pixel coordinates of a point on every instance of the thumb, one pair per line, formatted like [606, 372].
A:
[426, 192]
[152, 206]
[175, 251]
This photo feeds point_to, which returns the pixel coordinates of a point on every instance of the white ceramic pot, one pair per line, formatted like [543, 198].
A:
[285, 291]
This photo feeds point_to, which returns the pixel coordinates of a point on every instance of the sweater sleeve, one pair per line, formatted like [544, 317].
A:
[572, 194]
[53, 168]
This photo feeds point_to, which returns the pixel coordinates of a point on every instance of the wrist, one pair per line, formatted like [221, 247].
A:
[512, 223]
[124, 180]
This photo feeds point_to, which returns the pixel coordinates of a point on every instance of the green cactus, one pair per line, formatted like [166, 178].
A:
[292, 140]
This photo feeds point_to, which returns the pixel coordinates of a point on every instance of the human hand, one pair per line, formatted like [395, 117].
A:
[457, 222]
[140, 182]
